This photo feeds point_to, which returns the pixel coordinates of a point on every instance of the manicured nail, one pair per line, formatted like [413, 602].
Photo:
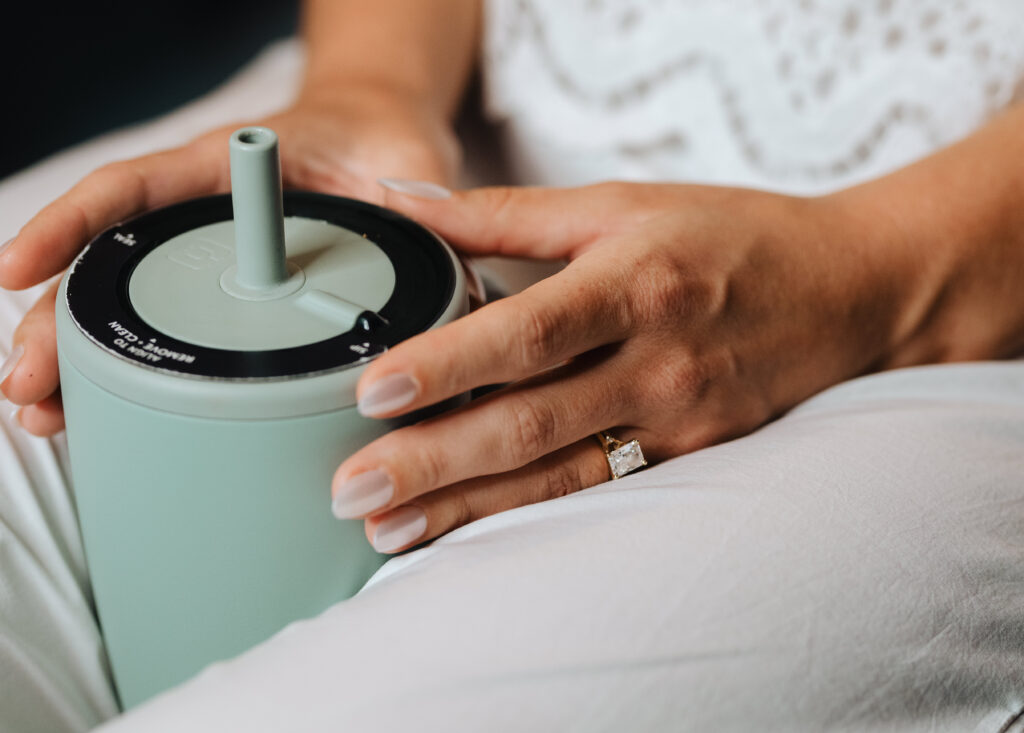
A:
[5, 245]
[388, 394]
[419, 189]
[8, 366]
[361, 494]
[403, 527]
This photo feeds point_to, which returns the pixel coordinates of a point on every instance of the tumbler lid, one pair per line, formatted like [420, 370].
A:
[254, 286]
[121, 291]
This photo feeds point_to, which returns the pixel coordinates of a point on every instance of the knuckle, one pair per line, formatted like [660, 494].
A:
[107, 171]
[711, 430]
[432, 466]
[614, 194]
[411, 458]
[500, 201]
[683, 381]
[111, 176]
[72, 216]
[563, 480]
[461, 510]
[120, 177]
[663, 292]
[538, 336]
[532, 431]
[703, 437]
[621, 314]
[669, 294]
[27, 331]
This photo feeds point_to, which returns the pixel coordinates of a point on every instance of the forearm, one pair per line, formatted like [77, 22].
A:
[953, 225]
[421, 51]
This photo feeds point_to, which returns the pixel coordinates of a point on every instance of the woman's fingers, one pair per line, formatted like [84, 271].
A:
[49, 242]
[33, 379]
[45, 417]
[577, 466]
[35, 375]
[513, 338]
[543, 223]
[501, 432]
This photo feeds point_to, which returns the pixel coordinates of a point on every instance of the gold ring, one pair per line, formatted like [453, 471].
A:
[622, 457]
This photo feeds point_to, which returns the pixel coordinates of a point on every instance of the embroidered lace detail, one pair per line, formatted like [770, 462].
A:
[803, 95]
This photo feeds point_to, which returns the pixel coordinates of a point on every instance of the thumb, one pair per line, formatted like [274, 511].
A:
[541, 223]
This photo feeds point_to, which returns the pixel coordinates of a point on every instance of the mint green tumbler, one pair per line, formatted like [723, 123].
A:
[209, 353]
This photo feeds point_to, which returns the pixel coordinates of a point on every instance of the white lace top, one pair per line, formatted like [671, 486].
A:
[794, 95]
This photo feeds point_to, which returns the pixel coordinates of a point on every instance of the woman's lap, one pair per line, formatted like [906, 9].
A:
[856, 565]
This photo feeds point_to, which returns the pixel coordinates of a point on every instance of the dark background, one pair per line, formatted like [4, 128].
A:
[72, 70]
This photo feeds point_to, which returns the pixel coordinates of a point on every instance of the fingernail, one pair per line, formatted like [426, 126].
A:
[8, 366]
[5, 245]
[361, 494]
[388, 394]
[404, 526]
[419, 189]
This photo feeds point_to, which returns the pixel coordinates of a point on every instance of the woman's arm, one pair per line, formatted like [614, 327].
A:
[421, 52]
[957, 218]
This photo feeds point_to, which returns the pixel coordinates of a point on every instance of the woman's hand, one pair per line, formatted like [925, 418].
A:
[687, 316]
[338, 145]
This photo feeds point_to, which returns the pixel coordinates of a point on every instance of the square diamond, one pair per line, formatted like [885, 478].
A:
[626, 458]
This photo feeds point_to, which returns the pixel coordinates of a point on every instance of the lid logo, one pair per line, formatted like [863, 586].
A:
[128, 239]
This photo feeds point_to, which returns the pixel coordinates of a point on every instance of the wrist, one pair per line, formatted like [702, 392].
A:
[895, 281]
[946, 269]
[390, 131]
[370, 95]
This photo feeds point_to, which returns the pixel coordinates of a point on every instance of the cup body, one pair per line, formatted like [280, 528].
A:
[206, 536]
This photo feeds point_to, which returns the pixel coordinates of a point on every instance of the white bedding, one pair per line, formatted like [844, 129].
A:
[856, 565]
